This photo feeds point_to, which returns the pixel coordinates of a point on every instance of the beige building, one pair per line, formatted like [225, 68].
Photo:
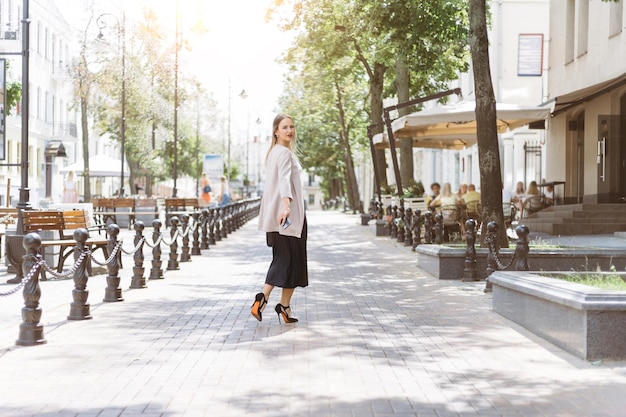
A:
[586, 146]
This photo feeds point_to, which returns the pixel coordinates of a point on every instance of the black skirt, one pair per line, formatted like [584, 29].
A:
[289, 264]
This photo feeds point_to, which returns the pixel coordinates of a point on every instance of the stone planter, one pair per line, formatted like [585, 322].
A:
[416, 203]
[445, 262]
[585, 321]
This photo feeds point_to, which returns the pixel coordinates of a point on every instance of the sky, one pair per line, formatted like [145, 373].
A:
[240, 48]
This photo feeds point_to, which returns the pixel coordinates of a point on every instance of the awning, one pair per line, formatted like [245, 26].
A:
[453, 126]
[55, 148]
[99, 166]
[567, 101]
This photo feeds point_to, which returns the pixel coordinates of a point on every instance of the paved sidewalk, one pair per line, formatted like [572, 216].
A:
[376, 337]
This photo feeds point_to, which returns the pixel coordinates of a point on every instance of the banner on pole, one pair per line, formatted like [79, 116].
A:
[213, 165]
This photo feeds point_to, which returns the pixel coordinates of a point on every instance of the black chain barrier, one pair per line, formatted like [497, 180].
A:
[205, 227]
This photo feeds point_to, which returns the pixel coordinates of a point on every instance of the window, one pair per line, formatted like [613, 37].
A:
[46, 109]
[569, 30]
[616, 17]
[311, 199]
[583, 27]
[38, 109]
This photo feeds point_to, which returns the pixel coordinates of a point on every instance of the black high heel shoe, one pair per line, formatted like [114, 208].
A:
[257, 307]
[281, 310]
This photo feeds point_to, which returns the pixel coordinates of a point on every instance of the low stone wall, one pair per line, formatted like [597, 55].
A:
[585, 321]
[446, 262]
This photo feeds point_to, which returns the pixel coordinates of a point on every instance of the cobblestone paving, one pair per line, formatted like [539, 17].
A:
[376, 337]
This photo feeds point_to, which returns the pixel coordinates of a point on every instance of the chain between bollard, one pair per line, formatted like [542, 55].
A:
[135, 249]
[489, 239]
[155, 244]
[24, 281]
[175, 237]
[69, 272]
[111, 257]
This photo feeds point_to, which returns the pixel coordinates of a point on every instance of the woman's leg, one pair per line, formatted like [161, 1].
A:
[285, 297]
[267, 290]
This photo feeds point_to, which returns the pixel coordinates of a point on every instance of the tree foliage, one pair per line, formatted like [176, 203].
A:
[364, 39]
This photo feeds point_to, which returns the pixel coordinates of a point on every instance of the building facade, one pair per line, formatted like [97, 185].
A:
[52, 120]
[587, 88]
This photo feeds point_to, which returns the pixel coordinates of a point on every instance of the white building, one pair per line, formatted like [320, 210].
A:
[519, 39]
[51, 118]
[588, 89]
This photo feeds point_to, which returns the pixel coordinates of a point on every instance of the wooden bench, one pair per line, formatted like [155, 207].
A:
[107, 209]
[64, 223]
[176, 206]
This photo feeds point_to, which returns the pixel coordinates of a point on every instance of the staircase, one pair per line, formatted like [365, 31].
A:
[578, 219]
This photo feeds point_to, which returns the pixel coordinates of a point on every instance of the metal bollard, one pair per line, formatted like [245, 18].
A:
[438, 229]
[195, 248]
[428, 227]
[31, 330]
[494, 248]
[416, 226]
[223, 221]
[212, 237]
[172, 265]
[394, 225]
[521, 248]
[205, 229]
[408, 233]
[400, 232]
[113, 292]
[470, 273]
[79, 308]
[184, 250]
[156, 272]
[138, 280]
[216, 221]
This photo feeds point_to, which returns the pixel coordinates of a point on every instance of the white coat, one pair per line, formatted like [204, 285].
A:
[282, 180]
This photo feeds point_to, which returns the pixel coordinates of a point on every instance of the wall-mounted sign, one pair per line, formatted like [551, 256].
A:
[530, 55]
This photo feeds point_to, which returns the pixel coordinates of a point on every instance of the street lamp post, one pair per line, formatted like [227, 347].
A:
[177, 47]
[121, 39]
[243, 95]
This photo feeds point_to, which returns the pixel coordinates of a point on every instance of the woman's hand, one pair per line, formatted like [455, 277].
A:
[285, 212]
[284, 215]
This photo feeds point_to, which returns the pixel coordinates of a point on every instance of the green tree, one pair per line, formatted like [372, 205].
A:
[486, 130]
[426, 41]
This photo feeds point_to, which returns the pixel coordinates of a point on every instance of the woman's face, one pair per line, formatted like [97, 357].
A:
[285, 132]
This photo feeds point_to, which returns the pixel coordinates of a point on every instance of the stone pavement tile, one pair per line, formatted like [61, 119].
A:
[377, 337]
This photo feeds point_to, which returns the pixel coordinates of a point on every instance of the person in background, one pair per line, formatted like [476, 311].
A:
[462, 190]
[224, 197]
[471, 195]
[70, 194]
[435, 189]
[548, 195]
[282, 217]
[206, 189]
[518, 198]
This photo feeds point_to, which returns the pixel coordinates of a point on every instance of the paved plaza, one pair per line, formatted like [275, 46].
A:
[376, 337]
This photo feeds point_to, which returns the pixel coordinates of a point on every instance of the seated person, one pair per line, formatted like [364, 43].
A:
[533, 201]
[472, 202]
[548, 195]
[448, 200]
[518, 197]
[435, 188]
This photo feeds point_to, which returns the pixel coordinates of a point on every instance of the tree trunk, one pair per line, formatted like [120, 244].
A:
[406, 144]
[351, 182]
[488, 151]
[376, 108]
[85, 136]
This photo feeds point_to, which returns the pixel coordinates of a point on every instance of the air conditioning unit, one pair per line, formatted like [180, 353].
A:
[12, 35]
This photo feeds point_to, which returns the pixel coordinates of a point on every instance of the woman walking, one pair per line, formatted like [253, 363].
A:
[283, 219]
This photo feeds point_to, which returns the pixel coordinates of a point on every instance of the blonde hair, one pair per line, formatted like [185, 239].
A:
[293, 144]
[533, 189]
[446, 191]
